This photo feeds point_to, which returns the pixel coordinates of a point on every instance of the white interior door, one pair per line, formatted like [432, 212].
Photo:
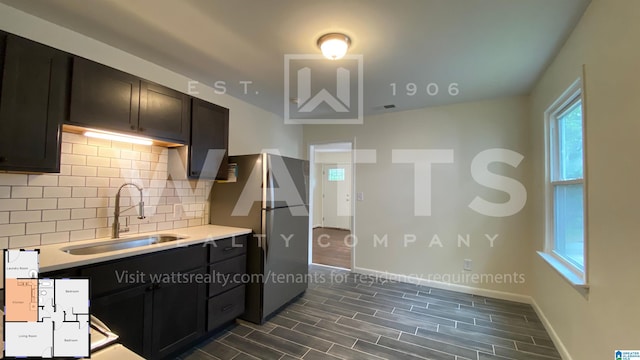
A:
[336, 196]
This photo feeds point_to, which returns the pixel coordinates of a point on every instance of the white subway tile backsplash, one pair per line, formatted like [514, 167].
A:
[26, 216]
[73, 138]
[165, 226]
[108, 172]
[142, 148]
[20, 192]
[5, 192]
[180, 224]
[95, 223]
[69, 225]
[147, 227]
[65, 169]
[24, 241]
[82, 235]
[41, 227]
[130, 155]
[78, 203]
[55, 238]
[71, 203]
[66, 148]
[51, 215]
[103, 232]
[12, 229]
[98, 161]
[13, 204]
[84, 170]
[97, 202]
[121, 164]
[42, 204]
[84, 192]
[74, 159]
[43, 180]
[83, 213]
[99, 142]
[72, 180]
[109, 153]
[79, 149]
[57, 192]
[13, 179]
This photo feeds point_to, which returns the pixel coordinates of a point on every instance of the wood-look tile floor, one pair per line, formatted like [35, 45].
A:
[331, 248]
[347, 316]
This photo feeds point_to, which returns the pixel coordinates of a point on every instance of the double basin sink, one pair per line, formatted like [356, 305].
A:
[121, 244]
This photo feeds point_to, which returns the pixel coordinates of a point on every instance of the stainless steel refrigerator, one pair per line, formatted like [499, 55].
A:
[269, 194]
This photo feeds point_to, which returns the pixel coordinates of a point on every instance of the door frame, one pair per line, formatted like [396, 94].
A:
[312, 175]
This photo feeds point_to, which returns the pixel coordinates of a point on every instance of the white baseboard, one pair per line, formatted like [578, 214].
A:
[447, 286]
[564, 353]
[317, 226]
[503, 295]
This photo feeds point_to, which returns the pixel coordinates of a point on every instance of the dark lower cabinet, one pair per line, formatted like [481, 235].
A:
[225, 307]
[178, 315]
[128, 313]
[170, 306]
[33, 104]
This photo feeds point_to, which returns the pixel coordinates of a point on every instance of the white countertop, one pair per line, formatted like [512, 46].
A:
[53, 257]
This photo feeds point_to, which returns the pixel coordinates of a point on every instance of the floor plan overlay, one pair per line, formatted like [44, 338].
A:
[44, 318]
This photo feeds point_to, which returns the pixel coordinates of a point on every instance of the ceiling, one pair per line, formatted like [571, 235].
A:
[489, 48]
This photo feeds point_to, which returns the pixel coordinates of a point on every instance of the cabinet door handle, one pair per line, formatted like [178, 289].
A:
[149, 288]
[141, 129]
[133, 127]
[227, 308]
[195, 172]
[227, 249]
[156, 286]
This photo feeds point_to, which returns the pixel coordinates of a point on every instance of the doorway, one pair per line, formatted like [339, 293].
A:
[332, 205]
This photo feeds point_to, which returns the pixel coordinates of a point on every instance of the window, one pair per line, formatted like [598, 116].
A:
[566, 183]
[336, 174]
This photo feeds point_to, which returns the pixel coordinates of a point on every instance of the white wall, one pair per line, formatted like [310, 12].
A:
[606, 41]
[388, 206]
[251, 129]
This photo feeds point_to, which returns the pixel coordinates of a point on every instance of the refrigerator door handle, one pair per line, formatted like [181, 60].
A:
[266, 239]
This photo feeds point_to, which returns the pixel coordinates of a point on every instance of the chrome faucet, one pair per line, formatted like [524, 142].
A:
[115, 232]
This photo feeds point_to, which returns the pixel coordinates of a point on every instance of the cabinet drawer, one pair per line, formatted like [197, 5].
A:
[224, 271]
[227, 248]
[225, 307]
[133, 271]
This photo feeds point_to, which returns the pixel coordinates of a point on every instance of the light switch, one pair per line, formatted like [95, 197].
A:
[360, 196]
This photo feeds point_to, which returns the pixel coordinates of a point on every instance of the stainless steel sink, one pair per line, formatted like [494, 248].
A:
[120, 244]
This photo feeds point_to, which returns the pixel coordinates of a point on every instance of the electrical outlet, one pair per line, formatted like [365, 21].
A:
[467, 265]
[360, 196]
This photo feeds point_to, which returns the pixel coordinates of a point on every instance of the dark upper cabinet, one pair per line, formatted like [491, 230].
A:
[164, 113]
[208, 153]
[33, 104]
[109, 99]
[103, 97]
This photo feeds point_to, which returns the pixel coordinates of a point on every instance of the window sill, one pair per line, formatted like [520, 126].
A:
[577, 282]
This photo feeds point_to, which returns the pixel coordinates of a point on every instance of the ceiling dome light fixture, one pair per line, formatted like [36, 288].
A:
[334, 46]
